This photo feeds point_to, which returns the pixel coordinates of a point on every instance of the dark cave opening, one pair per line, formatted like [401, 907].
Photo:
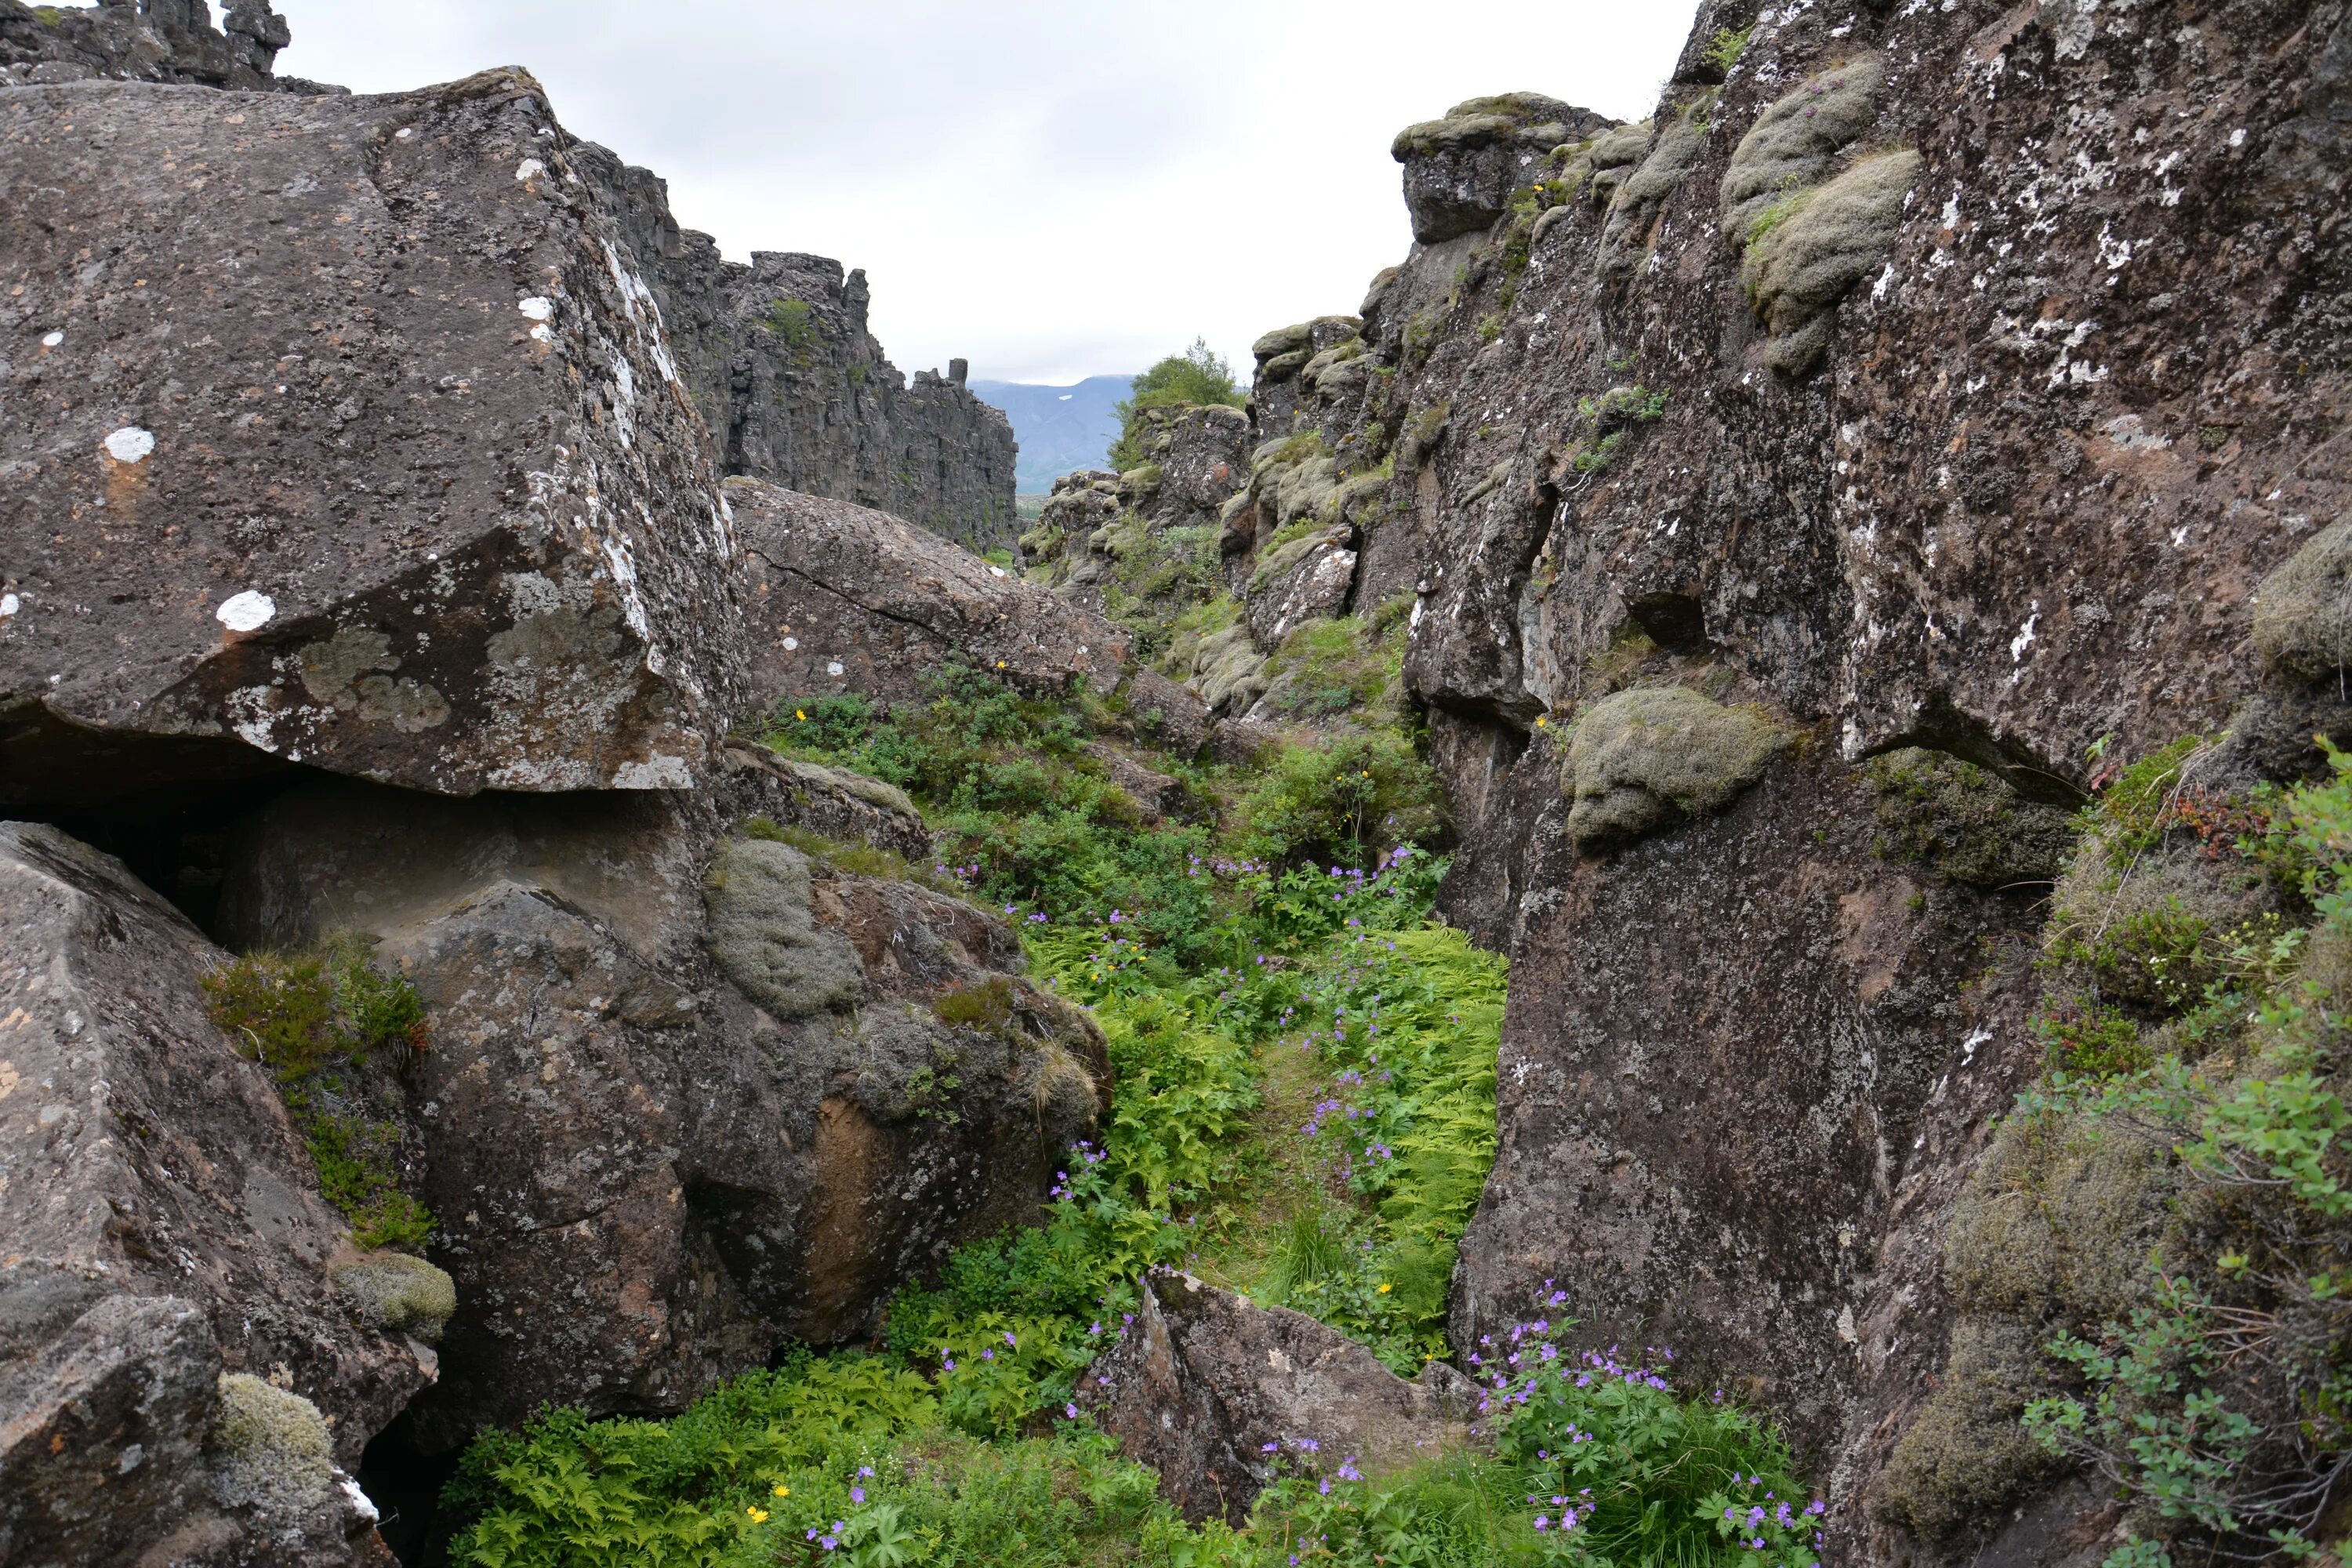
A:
[167, 806]
[404, 1483]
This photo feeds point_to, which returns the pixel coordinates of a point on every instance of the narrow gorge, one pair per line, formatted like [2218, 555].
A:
[1681, 893]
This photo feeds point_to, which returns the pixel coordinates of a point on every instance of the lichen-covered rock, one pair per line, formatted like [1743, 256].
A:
[765, 939]
[1459, 171]
[690, 1093]
[1204, 1383]
[457, 533]
[403, 1294]
[832, 802]
[1306, 579]
[1652, 755]
[163, 1226]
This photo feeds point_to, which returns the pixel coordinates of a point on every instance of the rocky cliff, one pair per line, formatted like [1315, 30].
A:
[1868, 449]
[794, 389]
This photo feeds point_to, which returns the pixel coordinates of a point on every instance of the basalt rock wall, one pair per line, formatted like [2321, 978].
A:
[1926, 382]
[796, 390]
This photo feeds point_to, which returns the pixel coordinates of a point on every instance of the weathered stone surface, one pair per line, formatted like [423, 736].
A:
[160, 1226]
[410, 489]
[153, 40]
[689, 1094]
[1204, 1380]
[845, 599]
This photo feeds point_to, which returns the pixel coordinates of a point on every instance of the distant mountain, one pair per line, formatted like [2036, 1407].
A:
[1060, 429]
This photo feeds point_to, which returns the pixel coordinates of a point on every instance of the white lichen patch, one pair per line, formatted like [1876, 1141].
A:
[528, 169]
[129, 443]
[245, 612]
[537, 308]
[51, 340]
[655, 773]
[9, 605]
[625, 401]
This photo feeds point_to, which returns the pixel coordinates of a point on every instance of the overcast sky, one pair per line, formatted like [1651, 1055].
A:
[1050, 188]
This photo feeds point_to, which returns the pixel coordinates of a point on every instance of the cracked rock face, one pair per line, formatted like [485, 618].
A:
[162, 1235]
[343, 433]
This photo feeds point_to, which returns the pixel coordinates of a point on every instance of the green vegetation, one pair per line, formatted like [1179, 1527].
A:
[1723, 51]
[2154, 1260]
[1608, 419]
[1303, 1110]
[1198, 375]
[331, 1030]
[791, 320]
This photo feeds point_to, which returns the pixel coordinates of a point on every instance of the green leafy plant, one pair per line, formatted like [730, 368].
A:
[1198, 375]
[320, 1022]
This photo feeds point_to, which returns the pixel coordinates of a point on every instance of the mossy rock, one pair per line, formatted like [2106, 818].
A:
[403, 1294]
[1283, 366]
[2302, 612]
[872, 790]
[2058, 1219]
[1965, 1455]
[274, 1453]
[1822, 242]
[763, 937]
[1794, 143]
[2153, 927]
[1283, 341]
[1635, 206]
[1966, 822]
[1644, 758]
[1609, 158]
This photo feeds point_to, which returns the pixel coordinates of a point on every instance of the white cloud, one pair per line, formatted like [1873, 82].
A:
[1051, 188]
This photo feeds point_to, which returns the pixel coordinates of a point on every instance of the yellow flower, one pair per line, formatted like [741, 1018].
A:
[799, 715]
[1384, 1289]
[759, 1515]
[1541, 720]
[783, 1491]
[1000, 664]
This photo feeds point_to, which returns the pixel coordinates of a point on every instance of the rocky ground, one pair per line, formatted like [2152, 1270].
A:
[1850, 568]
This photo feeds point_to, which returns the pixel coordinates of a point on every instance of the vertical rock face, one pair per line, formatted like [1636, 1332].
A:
[796, 390]
[161, 1236]
[344, 434]
[1952, 379]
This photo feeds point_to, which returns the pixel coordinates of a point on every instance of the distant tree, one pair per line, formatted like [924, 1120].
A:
[1198, 375]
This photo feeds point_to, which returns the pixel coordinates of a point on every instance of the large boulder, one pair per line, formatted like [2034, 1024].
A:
[691, 1091]
[165, 1256]
[843, 598]
[357, 444]
[1217, 1392]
